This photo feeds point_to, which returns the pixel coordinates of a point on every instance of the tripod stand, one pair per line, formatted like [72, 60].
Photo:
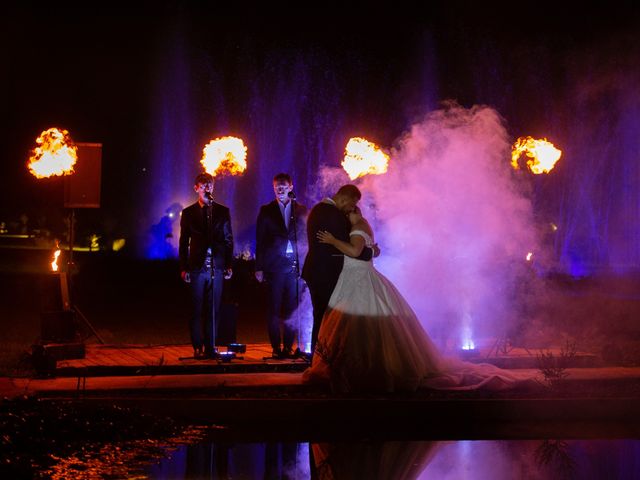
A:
[503, 345]
[65, 280]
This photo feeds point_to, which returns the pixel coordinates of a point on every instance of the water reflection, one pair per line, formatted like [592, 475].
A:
[238, 461]
[383, 460]
[495, 460]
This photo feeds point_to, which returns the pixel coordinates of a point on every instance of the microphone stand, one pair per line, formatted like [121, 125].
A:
[212, 269]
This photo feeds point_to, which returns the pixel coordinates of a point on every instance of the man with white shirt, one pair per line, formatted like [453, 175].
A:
[280, 240]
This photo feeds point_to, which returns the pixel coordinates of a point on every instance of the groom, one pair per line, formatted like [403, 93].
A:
[323, 263]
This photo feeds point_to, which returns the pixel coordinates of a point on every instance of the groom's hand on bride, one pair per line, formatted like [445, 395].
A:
[324, 236]
[376, 249]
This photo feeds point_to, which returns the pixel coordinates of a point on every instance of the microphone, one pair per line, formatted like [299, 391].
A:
[208, 196]
[291, 195]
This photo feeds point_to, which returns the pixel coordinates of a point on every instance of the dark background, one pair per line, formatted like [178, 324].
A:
[154, 81]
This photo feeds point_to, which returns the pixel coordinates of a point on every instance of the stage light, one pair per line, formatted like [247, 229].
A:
[237, 347]
[467, 339]
[226, 356]
[468, 351]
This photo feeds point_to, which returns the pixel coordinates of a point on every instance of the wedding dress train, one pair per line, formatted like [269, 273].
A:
[371, 340]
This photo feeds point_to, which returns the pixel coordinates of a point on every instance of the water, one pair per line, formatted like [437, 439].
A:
[479, 459]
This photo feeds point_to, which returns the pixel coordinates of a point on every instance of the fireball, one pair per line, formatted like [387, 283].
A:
[542, 154]
[55, 154]
[363, 157]
[224, 155]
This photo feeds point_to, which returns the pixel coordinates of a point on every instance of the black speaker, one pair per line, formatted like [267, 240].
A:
[82, 188]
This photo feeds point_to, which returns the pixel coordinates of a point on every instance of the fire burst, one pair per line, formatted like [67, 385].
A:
[542, 154]
[54, 264]
[224, 155]
[363, 157]
[55, 154]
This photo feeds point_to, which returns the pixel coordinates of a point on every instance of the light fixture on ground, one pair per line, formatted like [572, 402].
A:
[237, 347]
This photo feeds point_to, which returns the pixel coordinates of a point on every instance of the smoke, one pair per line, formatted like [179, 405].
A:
[302, 320]
[329, 180]
[454, 224]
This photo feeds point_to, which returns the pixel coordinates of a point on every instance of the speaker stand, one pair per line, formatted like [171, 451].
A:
[68, 306]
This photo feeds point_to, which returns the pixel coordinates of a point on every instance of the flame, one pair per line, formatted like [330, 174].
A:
[542, 154]
[363, 157]
[224, 155]
[54, 264]
[55, 154]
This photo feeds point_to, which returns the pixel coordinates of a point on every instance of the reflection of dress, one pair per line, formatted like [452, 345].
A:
[371, 340]
[372, 459]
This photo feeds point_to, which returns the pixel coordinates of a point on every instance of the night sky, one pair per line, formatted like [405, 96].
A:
[154, 81]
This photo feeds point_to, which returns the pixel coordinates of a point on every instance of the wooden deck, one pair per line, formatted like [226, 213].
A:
[110, 360]
[105, 360]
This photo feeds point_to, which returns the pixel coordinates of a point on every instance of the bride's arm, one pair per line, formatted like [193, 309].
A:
[352, 248]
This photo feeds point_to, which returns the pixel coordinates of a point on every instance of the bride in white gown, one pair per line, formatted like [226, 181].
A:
[371, 340]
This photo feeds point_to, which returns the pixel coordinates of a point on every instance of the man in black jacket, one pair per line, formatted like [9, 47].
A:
[323, 263]
[206, 254]
[280, 239]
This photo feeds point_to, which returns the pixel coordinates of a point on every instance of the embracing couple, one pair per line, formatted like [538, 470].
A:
[365, 335]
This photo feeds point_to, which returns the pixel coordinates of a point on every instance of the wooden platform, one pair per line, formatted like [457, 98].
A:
[114, 360]
[109, 360]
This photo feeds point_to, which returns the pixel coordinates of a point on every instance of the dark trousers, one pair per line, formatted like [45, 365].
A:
[282, 294]
[320, 295]
[203, 325]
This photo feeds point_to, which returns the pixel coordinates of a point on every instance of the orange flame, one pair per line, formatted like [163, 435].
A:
[224, 155]
[542, 154]
[54, 264]
[362, 157]
[55, 154]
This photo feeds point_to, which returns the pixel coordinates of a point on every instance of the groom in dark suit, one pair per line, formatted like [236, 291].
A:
[280, 237]
[323, 264]
[206, 254]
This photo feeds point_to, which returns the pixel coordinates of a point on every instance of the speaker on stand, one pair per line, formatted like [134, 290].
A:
[82, 190]
[60, 337]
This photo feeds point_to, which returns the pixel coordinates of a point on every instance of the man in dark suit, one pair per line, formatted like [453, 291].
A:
[280, 237]
[323, 264]
[206, 254]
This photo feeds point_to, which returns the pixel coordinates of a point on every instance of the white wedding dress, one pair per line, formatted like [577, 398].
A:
[371, 340]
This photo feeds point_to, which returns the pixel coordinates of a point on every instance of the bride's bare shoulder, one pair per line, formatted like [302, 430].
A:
[364, 226]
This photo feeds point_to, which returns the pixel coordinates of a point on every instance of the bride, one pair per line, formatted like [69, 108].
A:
[371, 340]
